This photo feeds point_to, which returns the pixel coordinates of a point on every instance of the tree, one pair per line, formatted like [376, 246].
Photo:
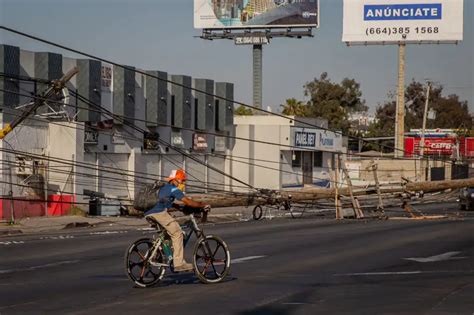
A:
[243, 111]
[450, 111]
[334, 101]
[384, 125]
[294, 107]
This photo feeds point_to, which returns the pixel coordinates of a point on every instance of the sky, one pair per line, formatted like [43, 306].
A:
[159, 35]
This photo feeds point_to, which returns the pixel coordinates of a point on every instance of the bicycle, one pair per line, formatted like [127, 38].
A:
[146, 259]
[259, 210]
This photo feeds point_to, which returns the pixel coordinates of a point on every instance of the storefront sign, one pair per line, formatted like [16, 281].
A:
[316, 139]
[305, 139]
[220, 144]
[433, 146]
[177, 139]
[106, 77]
[117, 138]
[199, 142]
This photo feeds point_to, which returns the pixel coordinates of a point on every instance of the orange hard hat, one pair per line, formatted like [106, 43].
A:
[176, 174]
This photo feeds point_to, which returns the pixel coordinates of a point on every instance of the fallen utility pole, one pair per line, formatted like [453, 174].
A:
[439, 185]
[311, 194]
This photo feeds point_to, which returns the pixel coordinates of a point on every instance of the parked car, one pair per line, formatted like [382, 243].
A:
[466, 199]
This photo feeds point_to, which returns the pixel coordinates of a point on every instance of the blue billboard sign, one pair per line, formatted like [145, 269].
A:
[393, 12]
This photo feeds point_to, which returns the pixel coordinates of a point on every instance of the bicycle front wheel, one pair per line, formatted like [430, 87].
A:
[141, 268]
[211, 259]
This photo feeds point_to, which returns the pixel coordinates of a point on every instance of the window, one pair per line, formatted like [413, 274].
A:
[216, 115]
[172, 110]
[296, 159]
[318, 159]
[150, 141]
[196, 112]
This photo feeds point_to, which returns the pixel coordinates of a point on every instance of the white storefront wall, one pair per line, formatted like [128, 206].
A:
[271, 166]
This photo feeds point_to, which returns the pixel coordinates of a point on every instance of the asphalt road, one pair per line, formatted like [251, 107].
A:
[291, 266]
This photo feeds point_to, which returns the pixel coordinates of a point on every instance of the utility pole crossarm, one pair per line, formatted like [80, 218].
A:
[54, 89]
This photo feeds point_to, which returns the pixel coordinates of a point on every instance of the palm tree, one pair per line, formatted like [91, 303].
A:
[293, 107]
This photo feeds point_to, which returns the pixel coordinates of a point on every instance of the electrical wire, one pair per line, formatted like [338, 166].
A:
[435, 158]
[187, 87]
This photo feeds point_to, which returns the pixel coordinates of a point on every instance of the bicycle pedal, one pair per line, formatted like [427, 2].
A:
[158, 264]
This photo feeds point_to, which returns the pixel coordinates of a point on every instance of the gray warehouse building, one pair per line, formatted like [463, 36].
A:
[71, 145]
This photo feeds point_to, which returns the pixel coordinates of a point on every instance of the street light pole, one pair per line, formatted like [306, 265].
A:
[425, 114]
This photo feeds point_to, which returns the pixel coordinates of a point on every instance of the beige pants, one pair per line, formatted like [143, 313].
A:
[175, 231]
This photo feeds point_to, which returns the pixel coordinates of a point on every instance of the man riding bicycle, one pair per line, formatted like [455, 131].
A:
[167, 194]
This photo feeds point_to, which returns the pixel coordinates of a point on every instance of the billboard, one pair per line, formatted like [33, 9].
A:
[221, 14]
[402, 21]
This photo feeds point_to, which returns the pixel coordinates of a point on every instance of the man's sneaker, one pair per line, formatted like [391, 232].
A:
[184, 267]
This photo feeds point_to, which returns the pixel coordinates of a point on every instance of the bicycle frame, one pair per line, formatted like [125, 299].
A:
[191, 226]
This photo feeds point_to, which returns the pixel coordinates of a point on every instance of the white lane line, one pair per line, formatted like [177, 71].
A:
[59, 237]
[59, 263]
[146, 229]
[7, 243]
[378, 273]
[245, 259]
[108, 232]
[441, 257]
[402, 273]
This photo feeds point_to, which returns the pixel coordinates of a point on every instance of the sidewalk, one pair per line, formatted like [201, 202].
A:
[34, 225]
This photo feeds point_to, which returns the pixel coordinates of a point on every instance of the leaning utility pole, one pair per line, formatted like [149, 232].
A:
[425, 114]
[55, 89]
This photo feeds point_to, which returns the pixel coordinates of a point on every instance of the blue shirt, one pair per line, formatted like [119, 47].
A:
[166, 196]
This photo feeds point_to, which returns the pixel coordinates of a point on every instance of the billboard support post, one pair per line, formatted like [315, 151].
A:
[256, 22]
[257, 76]
[400, 117]
[402, 22]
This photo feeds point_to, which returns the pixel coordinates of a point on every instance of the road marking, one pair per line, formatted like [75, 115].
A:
[245, 259]
[11, 243]
[146, 229]
[59, 237]
[441, 257]
[379, 273]
[59, 263]
[108, 232]
[402, 273]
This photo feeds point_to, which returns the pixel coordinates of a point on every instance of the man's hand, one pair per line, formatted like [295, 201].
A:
[205, 211]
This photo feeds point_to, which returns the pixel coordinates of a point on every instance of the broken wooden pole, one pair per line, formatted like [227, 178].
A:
[355, 204]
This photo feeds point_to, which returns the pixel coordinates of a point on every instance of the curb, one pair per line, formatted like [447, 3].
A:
[212, 219]
[10, 232]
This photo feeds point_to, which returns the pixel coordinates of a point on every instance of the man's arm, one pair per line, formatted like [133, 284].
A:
[194, 204]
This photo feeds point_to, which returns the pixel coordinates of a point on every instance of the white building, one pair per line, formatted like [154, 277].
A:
[303, 155]
[84, 149]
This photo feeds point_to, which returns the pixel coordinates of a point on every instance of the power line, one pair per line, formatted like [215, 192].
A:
[257, 165]
[182, 85]
[85, 165]
[230, 136]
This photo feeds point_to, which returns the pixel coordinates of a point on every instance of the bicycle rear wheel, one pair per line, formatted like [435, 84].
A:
[141, 268]
[257, 213]
[211, 259]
